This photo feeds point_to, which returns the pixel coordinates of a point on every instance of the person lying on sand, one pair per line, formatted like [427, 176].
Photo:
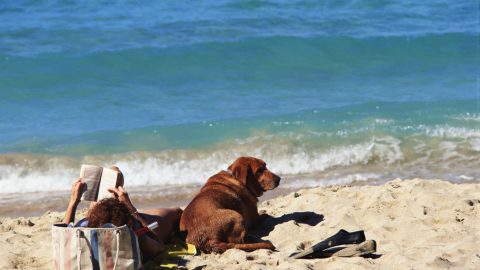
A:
[119, 211]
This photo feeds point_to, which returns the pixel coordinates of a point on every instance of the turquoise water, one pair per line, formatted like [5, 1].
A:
[172, 92]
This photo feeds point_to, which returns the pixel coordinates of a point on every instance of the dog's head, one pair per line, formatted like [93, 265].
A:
[254, 175]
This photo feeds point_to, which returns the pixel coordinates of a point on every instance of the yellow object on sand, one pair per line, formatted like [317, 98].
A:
[172, 256]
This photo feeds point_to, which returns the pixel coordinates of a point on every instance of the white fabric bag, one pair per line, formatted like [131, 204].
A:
[80, 248]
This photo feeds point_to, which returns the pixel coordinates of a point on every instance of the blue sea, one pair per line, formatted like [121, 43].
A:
[326, 92]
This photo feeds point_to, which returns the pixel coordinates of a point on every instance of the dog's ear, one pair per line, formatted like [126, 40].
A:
[240, 172]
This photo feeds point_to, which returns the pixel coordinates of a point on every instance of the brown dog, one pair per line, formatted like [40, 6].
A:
[219, 216]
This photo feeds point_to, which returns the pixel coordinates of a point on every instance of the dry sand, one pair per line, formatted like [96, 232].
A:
[418, 224]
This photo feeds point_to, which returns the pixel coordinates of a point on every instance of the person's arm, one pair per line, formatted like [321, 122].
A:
[75, 196]
[149, 245]
[121, 194]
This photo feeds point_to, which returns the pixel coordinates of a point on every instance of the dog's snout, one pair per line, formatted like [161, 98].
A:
[277, 180]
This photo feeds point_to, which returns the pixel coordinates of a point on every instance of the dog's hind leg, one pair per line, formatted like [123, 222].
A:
[233, 235]
[254, 246]
[229, 232]
[220, 247]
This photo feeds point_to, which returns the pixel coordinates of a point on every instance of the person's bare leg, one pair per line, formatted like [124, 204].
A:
[150, 247]
[167, 218]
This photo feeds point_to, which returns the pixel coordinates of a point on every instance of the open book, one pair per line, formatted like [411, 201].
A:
[98, 180]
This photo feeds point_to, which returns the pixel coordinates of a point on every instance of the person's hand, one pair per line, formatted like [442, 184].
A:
[77, 190]
[121, 194]
[120, 179]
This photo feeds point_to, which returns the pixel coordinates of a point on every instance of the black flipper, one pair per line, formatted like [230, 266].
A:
[342, 237]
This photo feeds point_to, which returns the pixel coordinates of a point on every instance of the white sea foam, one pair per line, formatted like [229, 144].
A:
[284, 155]
[178, 168]
[475, 144]
[340, 180]
[475, 117]
[449, 150]
[286, 123]
[385, 149]
[17, 179]
[465, 177]
[451, 132]
[382, 121]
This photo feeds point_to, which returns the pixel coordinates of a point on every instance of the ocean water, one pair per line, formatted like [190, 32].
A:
[326, 92]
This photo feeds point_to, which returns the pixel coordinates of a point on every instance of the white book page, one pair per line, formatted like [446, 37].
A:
[109, 180]
[91, 176]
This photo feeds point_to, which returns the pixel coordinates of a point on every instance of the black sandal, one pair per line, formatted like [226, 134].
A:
[342, 237]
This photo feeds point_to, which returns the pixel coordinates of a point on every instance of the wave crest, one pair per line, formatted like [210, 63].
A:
[181, 167]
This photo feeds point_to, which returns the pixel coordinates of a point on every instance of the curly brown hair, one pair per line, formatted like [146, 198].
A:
[109, 210]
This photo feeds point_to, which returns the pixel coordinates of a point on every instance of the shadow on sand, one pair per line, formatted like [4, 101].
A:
[268, 223]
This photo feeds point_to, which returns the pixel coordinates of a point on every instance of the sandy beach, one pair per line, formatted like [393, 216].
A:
[417, 224]
[369, 111]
